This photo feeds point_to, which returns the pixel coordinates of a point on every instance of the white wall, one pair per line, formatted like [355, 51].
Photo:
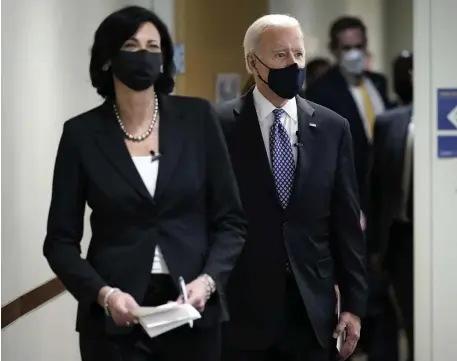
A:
[435, 53]
[398, 31]
[45, 80]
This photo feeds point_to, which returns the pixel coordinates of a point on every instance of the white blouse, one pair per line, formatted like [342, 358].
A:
[149, 171]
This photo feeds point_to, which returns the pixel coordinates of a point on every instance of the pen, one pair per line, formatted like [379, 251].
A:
[182, 285]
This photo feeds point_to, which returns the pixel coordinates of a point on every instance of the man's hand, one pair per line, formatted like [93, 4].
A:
[197, 293]
[351, 324]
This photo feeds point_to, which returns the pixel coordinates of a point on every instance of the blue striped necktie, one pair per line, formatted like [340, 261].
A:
[282, 159]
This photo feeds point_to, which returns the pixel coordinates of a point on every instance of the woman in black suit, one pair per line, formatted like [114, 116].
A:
[155, 171]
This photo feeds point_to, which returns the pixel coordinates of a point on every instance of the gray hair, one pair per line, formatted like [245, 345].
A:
[254, 32]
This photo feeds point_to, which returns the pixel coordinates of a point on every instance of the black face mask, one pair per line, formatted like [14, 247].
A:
[138, 70]
[285, 82]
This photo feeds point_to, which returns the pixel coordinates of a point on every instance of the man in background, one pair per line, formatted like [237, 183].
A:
[391, 224]
[294, 167]
[315, 68]
[352, 92]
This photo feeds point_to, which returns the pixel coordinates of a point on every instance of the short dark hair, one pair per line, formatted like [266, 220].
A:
[313, 65]
[112, 33]
[344, 23]
[402, 67]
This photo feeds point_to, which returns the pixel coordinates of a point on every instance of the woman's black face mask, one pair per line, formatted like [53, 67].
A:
[138, 70]
[285, 82]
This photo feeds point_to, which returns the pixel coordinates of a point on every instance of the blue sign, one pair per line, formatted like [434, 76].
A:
[447, 146]
[447, 109]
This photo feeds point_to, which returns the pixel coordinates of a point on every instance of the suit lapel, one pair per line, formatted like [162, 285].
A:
[111, 142]
[308, 125]
[252, 147]
[172, 133]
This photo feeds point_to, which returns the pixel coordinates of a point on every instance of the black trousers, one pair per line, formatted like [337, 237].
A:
[379, 336]
[180, 344]
[400, 264]
[297, 342]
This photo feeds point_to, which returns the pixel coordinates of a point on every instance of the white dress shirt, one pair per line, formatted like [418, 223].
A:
[265, 115]
[149, 171]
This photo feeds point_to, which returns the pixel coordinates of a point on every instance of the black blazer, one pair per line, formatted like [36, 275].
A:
[331, 91]
[391, 130]
[195, 215]
[319, 233]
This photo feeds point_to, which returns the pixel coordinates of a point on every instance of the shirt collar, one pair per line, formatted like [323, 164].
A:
[265, 108]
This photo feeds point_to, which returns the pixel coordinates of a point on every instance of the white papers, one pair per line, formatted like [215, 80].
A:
[164, 318]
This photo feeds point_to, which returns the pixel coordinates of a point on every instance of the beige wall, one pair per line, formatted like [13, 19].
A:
[398, 30]
[213, 32]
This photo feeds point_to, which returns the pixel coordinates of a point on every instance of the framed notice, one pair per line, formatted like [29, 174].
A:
[228, 86]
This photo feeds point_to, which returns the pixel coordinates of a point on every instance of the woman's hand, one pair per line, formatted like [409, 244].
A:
[197, 294]
[120, 305]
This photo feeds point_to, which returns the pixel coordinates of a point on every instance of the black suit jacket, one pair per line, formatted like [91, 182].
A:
[195, 215]
[331, 91]
[391, 130]
[319, 232]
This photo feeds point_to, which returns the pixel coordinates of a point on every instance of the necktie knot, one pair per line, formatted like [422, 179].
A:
[278, 113]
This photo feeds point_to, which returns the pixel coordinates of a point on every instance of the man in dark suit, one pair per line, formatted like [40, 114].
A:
[391, 227]
[352, 92]
[294, 167]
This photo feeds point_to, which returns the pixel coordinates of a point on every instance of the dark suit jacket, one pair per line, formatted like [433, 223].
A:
[390, 134]
[195, 215]
[331, 91]
[319, 232]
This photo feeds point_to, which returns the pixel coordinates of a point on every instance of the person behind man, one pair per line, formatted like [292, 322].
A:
[294, 166]
[156, 173]
[391, 225]
[352, 92]
[316, 68]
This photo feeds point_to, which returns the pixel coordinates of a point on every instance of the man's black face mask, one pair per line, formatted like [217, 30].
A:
[285, 82]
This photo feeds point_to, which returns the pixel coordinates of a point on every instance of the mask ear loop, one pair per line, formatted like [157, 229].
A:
[255, 68]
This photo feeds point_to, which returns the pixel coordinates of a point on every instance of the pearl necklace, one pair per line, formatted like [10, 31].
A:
[141, 137]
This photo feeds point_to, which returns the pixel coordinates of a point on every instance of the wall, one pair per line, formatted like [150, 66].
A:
[316, 16]
[435, 209]
[213, 32]
[45, 80]
[398, 32]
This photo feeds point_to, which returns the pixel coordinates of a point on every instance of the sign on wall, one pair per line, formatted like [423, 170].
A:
[447, 123]
[228, 86]
[447, 146]
[447, 109]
